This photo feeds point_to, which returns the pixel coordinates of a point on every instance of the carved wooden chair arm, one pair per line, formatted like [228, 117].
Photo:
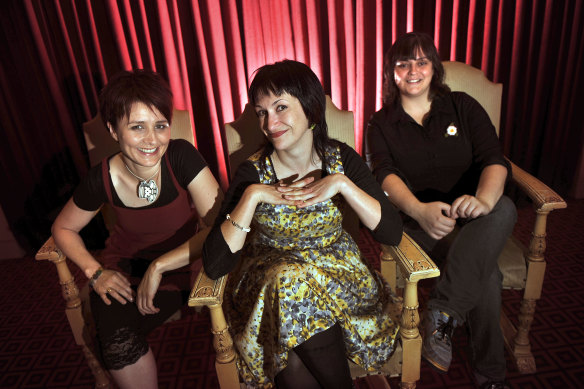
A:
[414, 265]
[206, 292]
[544, 201]
[49, 251]
[543, 197]
[413, 261]
[209, 293]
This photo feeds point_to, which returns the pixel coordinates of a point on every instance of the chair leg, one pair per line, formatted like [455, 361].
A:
[225, 366]
[410, 336]
[102, 380]
[520, 348]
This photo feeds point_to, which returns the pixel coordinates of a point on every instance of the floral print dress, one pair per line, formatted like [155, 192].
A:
[299, 274]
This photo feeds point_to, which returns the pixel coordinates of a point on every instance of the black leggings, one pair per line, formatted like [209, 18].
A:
[320, 362]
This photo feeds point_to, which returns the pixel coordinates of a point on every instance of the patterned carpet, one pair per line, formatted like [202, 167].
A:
[37, 349]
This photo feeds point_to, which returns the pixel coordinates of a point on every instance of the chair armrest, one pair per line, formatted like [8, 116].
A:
[543, 197]
[49, 251]
[414, 262]
[207, 292]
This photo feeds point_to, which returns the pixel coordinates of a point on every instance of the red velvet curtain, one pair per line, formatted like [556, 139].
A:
[57, 54]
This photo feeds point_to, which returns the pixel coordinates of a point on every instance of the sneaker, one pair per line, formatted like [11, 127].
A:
[437, 334]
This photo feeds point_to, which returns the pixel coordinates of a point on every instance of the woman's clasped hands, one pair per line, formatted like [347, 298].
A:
[308, 191]
[438, 219]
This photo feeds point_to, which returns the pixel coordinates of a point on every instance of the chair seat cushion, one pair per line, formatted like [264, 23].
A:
[512, 264]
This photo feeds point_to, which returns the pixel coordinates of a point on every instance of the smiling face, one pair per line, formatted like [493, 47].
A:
[283, 122]
[414, 76]
[143, 137]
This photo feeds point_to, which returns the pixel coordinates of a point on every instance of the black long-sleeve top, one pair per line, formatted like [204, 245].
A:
[435, 162]
[218, 258]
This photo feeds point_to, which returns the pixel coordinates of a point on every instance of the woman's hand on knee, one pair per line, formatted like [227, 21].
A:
[435, 219]
[112, 284]
[468, 206]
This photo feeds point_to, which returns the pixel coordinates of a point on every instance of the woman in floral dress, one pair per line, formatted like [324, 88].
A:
[301, 300]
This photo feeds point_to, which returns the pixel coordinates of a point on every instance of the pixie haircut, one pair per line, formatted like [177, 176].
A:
[406, 48]
[298, 80]
[128, 87]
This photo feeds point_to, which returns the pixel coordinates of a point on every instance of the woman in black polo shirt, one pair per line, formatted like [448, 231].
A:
[438, 158]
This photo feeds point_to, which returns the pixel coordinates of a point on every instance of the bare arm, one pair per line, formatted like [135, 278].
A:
[65, 231]
[207, 197]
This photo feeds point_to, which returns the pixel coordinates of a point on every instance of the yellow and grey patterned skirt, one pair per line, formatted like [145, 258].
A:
[299, 274]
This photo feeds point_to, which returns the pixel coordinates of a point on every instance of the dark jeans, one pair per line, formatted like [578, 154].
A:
[469, 288]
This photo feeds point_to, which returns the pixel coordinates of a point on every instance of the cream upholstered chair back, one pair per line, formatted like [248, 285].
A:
[244, 138]
[465, 78]
[461, 77]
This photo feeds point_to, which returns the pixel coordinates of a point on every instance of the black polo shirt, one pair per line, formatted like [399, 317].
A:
[440, 160]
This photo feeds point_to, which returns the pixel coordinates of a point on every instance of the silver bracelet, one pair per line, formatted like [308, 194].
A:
[244, 229]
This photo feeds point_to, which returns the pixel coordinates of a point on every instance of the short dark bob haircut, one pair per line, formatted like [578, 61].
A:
[298, 80]
[128, 87]
[406, 48]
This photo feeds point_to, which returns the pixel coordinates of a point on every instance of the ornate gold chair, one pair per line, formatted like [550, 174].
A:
[523, 268]
[243, 139]
[100, 145]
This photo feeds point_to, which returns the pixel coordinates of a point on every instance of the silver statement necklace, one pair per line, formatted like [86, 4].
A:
[147, 188]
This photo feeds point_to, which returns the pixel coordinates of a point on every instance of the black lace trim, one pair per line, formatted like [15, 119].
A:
[123, 348]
